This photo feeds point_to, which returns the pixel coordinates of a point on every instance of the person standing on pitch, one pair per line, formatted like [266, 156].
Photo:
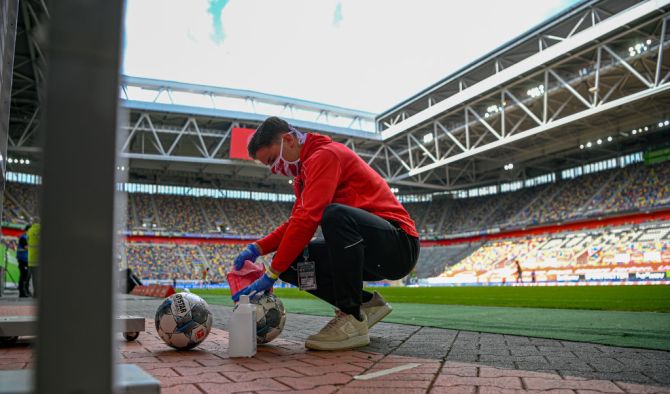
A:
[22, 258]
[519, 272]
[367, 234]
[34, 255]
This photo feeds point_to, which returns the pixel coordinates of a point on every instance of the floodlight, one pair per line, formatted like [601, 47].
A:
[609, 139]
[535, 91]
[599, 141]
[581, 146]
[589, 144]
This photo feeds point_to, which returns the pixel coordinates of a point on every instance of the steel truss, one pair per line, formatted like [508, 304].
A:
[189, 139]
[170, 146]
[150, 94]
[28, 76]
[591, 75]
[581, 83]
[586, 15]
[578, 75]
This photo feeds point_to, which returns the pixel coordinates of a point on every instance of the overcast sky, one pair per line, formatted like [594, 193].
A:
[362, 54]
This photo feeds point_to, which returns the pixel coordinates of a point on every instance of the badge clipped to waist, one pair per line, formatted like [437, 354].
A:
[306, 272]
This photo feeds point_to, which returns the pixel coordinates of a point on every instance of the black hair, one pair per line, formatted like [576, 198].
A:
[27, 227]
[267, 134]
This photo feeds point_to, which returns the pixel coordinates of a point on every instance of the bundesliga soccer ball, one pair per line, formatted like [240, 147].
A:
[270, 318]
[183, 321]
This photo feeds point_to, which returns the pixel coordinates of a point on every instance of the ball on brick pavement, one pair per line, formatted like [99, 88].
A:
[183, 321]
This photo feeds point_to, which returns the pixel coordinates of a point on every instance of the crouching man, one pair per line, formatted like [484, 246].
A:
[368, 234]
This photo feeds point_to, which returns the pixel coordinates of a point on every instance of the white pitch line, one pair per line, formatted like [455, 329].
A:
[386, 371]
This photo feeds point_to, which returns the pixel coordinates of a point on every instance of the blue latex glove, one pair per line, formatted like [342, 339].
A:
[262, 285]
[249, 253]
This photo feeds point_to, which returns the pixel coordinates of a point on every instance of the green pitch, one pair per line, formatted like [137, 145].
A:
[608, 298]
[8, 262]
[615, 315]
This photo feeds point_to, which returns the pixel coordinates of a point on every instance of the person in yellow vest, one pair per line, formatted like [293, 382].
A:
[34, 255]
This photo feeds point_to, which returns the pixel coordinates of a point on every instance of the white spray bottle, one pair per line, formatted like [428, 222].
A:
[242, 338]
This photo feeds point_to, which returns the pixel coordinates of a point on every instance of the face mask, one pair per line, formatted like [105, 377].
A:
[284, 167]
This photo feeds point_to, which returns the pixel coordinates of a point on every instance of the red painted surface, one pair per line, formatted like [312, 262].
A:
[11, 232]
[185, 240]
[159, 291]
[557, 228]
[239, 141]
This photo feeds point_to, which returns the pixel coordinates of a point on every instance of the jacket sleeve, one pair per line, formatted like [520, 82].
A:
[321, 174]
[270, 242]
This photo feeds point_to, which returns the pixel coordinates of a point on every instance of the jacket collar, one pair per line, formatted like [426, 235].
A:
[312, 143]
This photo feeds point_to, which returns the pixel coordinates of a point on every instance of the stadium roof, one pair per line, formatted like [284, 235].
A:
[600, 69]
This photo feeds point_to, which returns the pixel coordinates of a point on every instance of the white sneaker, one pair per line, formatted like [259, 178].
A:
[376, 309]
[343, 332]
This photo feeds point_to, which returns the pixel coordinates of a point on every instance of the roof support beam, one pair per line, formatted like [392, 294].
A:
[549, 55]
[540, 129]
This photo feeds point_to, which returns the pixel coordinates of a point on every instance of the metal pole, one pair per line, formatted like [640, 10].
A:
[9, 12]
[596, 84]
[75, 349]
[661, 48]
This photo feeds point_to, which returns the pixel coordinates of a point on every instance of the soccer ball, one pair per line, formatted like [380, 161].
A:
[183, 321]
[270, 317]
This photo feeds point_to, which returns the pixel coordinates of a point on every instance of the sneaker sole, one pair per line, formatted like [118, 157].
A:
[351, 343]
[377, 317]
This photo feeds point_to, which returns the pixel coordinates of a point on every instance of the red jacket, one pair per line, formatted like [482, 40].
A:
[330, 173]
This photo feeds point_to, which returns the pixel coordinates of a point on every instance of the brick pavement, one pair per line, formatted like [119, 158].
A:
[450, 361]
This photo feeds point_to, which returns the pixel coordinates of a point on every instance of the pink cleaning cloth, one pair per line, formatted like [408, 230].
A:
[250, 271]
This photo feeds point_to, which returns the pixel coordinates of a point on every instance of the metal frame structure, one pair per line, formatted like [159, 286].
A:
[28, 75]
[82, 80]
[593, 81]
[177, 127]
[150, 94]
[597, 70]
[8, 17]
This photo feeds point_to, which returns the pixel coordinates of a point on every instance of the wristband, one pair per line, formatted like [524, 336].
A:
[271, 274]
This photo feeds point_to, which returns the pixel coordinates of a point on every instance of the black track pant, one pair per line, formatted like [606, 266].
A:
[24, 279]
[357, 246]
